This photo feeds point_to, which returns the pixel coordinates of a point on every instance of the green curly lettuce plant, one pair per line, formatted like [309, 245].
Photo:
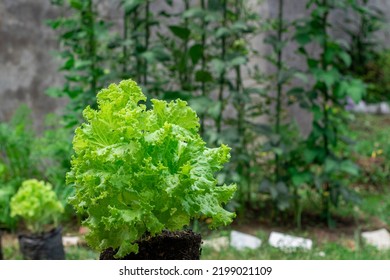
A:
[37, 204]
[137, 171]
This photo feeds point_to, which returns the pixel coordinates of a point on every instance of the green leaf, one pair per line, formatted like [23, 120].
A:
[171, 95]
[76, 4]
[55, 92]
[239, 26]
[196, 52]
[302, 76]
[331, 165]
[301, 178]
[218, 66]
[203, 76]
[193, 12]
[349, 167]
[131, 5]
[346, 58]
[222, 32]
[180, 32]
[356, 90]
[214, 109]
[310, 155]
[237, 61]
[149, 56]
[303, 38]
[329, 77]
[200, 104]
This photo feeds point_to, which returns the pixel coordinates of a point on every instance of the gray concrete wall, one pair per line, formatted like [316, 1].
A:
[27, 67]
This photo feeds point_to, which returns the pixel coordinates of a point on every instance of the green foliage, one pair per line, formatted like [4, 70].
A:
[83, 38]
[371, 151]
[139, 171]
[16, 161]
[283, 145]
[51, 155]
[367, 61]
[325, 154]
[377, 76]
[200, 52]
[37, 204]
[24, 154]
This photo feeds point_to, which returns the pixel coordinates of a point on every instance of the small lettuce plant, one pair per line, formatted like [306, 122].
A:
[37, 204]
[138, 172]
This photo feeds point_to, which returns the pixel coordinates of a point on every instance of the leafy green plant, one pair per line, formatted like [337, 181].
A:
[377, 76]
[326, 153]
[140, 52]
[283, 145]
[138, 171]
[51, 155]
[37, 204]
[25, 154]
[368, 59]
[16, 161]
[83, 39]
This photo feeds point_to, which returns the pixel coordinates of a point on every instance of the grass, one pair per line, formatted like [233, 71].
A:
[327, 251]
[71, 253]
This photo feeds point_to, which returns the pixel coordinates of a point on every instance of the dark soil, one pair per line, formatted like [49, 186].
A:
[179, 245]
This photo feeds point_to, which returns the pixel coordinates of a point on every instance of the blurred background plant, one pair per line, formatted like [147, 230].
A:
[201, 52]
[369, 58]
[16, 161]
[211, 54]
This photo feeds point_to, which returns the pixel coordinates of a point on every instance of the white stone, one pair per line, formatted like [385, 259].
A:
[361, 107]
[70, 241]
[321, 254]
[288, 242]
[384, 108]
[217, 244]
[373, 108]
[378, 238]
[242, 241]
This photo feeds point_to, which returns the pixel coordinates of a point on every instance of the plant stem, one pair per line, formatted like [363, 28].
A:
[136, 43]
[222, 76]
[203, 84]
[92, 46]
[187, 82]
[147, 35]
[125, 37]
[324, 89]
[243, 165]
[279, 89]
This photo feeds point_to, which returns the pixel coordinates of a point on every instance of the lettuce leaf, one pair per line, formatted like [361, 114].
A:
[137, 172]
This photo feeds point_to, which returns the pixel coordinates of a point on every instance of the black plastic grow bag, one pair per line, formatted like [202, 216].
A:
[46, 246]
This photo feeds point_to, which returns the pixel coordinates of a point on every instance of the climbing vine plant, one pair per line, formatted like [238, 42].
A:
[326, 153]
[82, 37]
[282, 147]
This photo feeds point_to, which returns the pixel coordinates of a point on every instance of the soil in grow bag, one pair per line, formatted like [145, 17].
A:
[46, 246]
[179, 245]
